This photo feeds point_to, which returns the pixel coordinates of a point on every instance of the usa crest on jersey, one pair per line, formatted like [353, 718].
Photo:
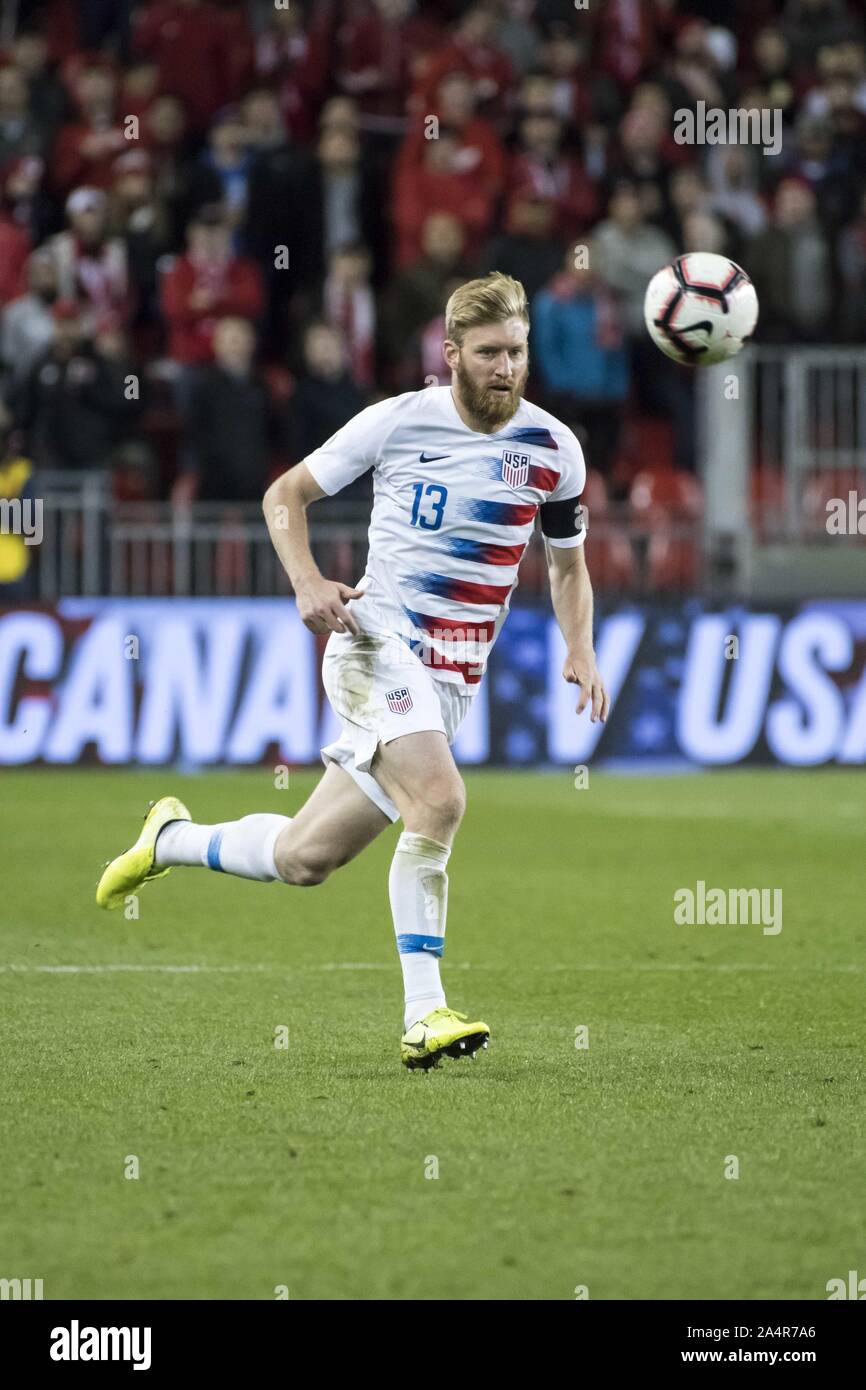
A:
[399, 700]
[515, 468]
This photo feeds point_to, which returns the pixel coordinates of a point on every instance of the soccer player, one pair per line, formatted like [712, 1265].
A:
[459, 474]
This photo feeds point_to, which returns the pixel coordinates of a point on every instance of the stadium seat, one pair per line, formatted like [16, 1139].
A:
[767, 501]
[666, 492]
[608, 550]
[670, 505]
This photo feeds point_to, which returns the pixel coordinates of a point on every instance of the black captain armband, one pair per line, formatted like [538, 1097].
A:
[562, 520]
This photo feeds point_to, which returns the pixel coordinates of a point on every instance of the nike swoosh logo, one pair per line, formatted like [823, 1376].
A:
[429, 948]
[433, 457]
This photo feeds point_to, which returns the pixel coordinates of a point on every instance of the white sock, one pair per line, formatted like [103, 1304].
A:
[244, 847]
[418, 888]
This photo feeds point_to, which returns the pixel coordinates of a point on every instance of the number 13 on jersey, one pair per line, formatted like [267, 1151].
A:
[431, 518]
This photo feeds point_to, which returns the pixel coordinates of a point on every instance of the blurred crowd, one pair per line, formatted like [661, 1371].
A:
[225, 227]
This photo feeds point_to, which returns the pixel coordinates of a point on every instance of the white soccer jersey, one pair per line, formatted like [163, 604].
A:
[453, 512]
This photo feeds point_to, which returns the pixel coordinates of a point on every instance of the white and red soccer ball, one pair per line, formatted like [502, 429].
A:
[700, 309]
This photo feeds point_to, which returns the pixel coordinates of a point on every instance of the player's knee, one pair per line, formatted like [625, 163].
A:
[440, 811]
[302, 869]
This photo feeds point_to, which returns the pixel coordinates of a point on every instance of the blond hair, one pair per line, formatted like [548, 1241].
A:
[492, 299]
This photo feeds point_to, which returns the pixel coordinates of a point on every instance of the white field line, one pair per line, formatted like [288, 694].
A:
[110, 968]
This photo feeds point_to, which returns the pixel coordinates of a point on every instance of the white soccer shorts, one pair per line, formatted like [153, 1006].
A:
[379, 689]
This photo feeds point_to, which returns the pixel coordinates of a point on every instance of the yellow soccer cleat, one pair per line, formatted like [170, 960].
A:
[441, 1033]
[131, 870]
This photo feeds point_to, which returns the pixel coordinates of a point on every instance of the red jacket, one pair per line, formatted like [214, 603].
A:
[14, 250]
[71, 166]
[394, 51]
[419, 190]
[236, 288]
[491, 69]
[200, 51]
[566, 185]
[481, 153]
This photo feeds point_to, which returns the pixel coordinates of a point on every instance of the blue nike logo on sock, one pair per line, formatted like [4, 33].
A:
[433, 457]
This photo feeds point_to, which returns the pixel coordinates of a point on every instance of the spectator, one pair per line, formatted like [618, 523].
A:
[848, 125]
[27, 323]
[692, 71]
[580, 94]
[647, 156]
[827, 169]
[142, 222]
[139, 87]
[225, 166]
[19, 131]
[281, 178]
[209, 282]
[579, 353]
[810, 25]
[472, 48]
[24, 198]
[791, 265]
[232, 426]
[191, 43]
[440, 184]
[87, 146]
[165, 137]
[434, 369]
[379, 48]
[541, 167]
[732, 173]
[263, 123]
[770, 71]
[852, 267]
[480, 150]
[417, 294]
[276, 174]
[47, 100]
[324, 398]
[292, 52]
[73, 406]
[687, 193]
[342, 201]
[702, 231]
[349, 305]
[529, 248]
[91, 264]
[15, 247]
[631, 250]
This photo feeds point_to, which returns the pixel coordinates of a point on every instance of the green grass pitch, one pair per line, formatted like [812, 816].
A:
[558, 1167]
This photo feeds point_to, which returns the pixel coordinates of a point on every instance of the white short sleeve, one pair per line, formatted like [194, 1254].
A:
[564, 525]
[572, 477]
[353, 449]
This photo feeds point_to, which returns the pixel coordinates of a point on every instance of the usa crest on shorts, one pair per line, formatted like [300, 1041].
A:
[515, 468]
[399, 700]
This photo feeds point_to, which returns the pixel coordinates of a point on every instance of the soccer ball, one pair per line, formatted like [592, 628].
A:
[700, 309]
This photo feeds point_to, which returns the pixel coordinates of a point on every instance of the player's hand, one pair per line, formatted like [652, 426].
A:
[580, 668]
[321, 605]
